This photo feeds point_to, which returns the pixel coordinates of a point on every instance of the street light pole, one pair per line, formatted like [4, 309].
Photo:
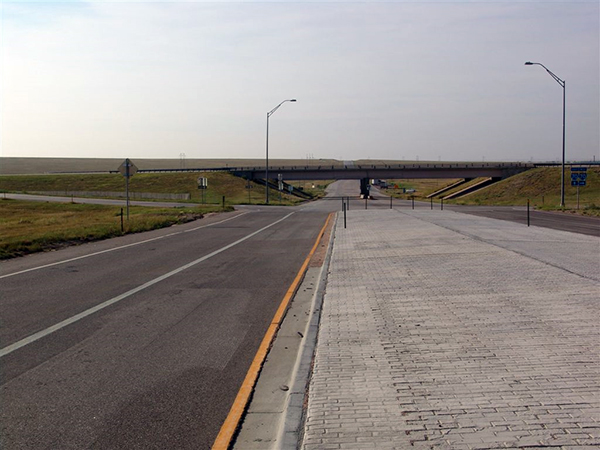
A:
[562, 172]
[269, 114]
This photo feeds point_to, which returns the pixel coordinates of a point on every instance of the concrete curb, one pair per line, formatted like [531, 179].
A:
[274, 416]
[292, 425]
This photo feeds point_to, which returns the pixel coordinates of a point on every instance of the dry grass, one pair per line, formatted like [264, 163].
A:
[541, 187]
[27, 227]
[220, 184]
[422, 187]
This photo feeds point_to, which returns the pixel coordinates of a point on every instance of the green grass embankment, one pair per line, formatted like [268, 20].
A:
[422, 187]
[234, 189]
[541, 186]
[28, 227]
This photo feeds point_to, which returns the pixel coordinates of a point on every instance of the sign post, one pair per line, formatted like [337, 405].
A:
[578, 178]
[280, 186]
[202, 185]
[248, 187]
[127, 169]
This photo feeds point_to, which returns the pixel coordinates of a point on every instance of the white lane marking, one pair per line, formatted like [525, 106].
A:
[40, 334]
[119, 248]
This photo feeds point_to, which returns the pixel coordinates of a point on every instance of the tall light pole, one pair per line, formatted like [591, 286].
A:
[269, 114]
[562, 172]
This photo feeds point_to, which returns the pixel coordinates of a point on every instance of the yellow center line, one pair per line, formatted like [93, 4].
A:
[232, 421]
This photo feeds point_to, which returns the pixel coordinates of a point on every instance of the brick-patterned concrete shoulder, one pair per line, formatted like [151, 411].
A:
[446, 331]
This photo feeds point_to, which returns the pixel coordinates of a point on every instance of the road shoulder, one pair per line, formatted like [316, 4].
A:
[274, 416]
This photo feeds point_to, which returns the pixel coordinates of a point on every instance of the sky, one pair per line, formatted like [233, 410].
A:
[438, 81]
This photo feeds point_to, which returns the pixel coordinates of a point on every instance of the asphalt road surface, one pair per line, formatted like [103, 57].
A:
[143, 341]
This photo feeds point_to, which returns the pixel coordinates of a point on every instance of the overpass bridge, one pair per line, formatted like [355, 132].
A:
[465, 171]
[387, 171]
[364, 172]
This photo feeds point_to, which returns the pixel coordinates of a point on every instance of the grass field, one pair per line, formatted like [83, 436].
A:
[234, 189]
[422, 187]
[28, 227]
[541, 187]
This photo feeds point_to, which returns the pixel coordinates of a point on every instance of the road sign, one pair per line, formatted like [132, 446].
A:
[578, 178]
[202, 183]
[128, 164]
[127, 169]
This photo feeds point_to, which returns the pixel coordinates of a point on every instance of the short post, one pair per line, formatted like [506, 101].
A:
[223, 202]
[127, 185]
[121, 220]
[442, 204]
[366, 200]
[391, 202]
[431, 202]
[413, 201]
[344, 208]
[527, 212]
[577, 196]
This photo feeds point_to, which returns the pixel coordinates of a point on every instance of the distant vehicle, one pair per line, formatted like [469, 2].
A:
[380, 183]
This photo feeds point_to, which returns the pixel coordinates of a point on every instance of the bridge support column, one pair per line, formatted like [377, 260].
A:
[365, 187]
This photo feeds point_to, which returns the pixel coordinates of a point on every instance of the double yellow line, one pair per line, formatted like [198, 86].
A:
[232, 421]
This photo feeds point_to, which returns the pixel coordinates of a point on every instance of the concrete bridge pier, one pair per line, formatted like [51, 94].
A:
[365, 188]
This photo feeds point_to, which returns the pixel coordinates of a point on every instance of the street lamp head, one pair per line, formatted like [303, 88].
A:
[529, 63]
[293, 100]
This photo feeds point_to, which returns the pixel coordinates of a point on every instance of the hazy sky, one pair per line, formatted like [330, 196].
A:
[394, 80]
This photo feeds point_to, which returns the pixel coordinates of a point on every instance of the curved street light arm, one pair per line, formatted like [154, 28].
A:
[270, 113]
[558, 80]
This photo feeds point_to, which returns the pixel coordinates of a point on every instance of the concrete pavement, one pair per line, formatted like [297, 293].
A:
[445, 330]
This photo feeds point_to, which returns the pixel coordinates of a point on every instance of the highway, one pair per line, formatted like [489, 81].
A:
[142, 342]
